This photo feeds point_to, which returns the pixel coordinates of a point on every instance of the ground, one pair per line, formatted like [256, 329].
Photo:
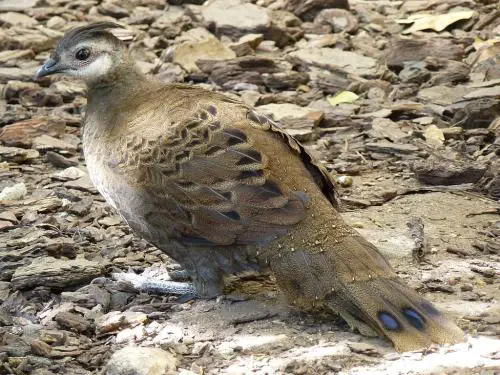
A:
[406, 120]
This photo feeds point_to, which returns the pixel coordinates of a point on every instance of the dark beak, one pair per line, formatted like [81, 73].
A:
[49, 67]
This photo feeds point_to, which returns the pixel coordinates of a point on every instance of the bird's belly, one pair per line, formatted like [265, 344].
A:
[102, 181]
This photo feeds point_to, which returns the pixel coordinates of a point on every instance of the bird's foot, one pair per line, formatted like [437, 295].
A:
[179, 275]
[169, 287]
[150, 283]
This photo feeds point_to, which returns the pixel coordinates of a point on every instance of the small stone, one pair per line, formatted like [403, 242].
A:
[116, 320]
[186, 54]
[41, 348]
[56, 23]
[111, 220]
[386, 147]
[55, 273]
[235, 17]
[69, 174]
[169, 335]
[47, 143]
[58, 160]
[344, 181]
[17, 19]
[82, 184]
[22, 133]
[73, 322]
[467, 287]
[339, 20]
[336, 59]
[442, 171]
[18, 155]
[141, 361]
[15, 192]
[386, 128]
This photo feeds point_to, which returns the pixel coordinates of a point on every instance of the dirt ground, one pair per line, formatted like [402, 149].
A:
[412, 140]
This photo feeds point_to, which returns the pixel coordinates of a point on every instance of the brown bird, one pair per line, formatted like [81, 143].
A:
[222, 190]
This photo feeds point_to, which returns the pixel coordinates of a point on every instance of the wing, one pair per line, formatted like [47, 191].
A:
[213, 185]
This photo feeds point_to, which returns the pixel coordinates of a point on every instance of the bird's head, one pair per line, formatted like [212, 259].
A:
[89, 52]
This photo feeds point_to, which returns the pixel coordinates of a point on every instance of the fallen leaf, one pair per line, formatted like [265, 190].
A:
[437, 22]
[342, 97]
[434, 136]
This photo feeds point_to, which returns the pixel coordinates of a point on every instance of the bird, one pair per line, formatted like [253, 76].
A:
[223, 189]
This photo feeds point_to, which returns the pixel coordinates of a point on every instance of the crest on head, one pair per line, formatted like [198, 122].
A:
[87, 32]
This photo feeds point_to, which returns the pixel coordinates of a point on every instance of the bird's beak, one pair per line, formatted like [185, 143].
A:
[49, 67]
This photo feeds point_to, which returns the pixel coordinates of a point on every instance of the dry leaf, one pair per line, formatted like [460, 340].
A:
[342, 97]
[437, 22]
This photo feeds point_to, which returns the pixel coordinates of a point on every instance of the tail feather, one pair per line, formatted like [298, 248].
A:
[393, 310]
[353, 280]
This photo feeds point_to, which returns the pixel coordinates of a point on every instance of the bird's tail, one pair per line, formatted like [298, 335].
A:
[352, 278]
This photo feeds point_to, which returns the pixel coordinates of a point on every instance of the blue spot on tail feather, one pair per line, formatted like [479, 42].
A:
[414, 318]
[389, 321]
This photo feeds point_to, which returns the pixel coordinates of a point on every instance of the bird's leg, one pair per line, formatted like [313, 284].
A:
[157, 285]
[179, 275]
[169, 287]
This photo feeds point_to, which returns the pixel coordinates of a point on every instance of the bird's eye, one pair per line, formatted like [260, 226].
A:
[82, 54]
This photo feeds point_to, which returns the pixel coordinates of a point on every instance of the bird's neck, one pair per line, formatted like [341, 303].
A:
[110, 100]
[124, 83]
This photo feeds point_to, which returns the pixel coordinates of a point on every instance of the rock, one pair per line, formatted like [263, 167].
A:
[141, 361]
[470, 114]
[299, 121]
[7, 220]
[415, 49]
[208, 47]
[15, 192]
[253, 69]
[16, 5]
[414, 72]
[285, 28]
[172, 21]
[338, 19]
[440, 171]
[69, 88]
[13, 89]
[88, 296]
[247, 44]
[82, 184]
[56, 22]
[47, 143]
[69, 174]
[110, 221]
[386, 147]
[40, 348]
[14, 345]
[385, 128]
[442, 95]
[116, 320]
[16, 54]
[169, 335]
[113, 10]
[73, 322]
[55, 273]
[18, 155]
[22, 134]
[308, 9]
[8, 74]
[59, 161]
[286, 110]
[17, 19]
[336, 59]
[235, 18]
